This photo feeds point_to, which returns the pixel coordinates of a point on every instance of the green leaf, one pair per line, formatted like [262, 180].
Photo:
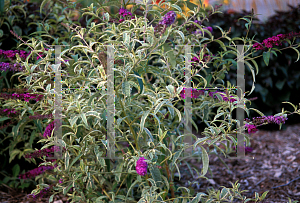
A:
[140, 82]
[159, 106]
[255, 64]
[181, 34]
[199, 140]
[247, 25]
[149, 133]
[83, 117]
[73, 162]
[263, 196]
[17, 30]
[280, 83]
[4, 118]
[177, 155]
[224, 193]
[126, 88]
[1, 6]
[168, 49]
[13, 154]
[205, 160]
[16, 170]
[246, 19]
[155, 173]
[28, 79]
[51, 198]
[221, 43]
[274, 52]
[75, 57]
[297, 53]
[143, 120]
[191, 6]
[119, 169]
[266, 56]
[177, 7]
[208, 79]
[43, 4]
[198, 197]
[67, 160]
[132, 185]
[171, 89]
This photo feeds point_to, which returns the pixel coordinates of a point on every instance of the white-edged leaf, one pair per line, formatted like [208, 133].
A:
[205, 160]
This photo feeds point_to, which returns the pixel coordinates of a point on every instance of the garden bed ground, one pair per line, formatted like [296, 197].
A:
[275, 165]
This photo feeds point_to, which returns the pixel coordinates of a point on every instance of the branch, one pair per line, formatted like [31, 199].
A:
[287, 183]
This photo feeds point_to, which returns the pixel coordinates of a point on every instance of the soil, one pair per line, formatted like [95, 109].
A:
[272, 166]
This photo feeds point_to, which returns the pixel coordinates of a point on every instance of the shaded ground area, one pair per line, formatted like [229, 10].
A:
[275, 167]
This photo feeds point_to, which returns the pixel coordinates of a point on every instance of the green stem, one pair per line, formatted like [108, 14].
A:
[126, 120]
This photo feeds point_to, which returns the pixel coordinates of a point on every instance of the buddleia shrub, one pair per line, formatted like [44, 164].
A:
[148, 125]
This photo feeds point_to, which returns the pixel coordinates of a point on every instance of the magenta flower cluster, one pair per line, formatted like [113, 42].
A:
[25, 96]
[35, 172]
[270, 119]
[50, 128]
[124, 12]
[141, 166]
[12, 53]
[195, 59]
[44, 152]
[196, 93]
[247, 149]
[9, 112]
[275, 40]
[251, 128]
[11, 67]
[168, 19]
[41, 54]
[7, 124]
[39, 116]
[260, 120]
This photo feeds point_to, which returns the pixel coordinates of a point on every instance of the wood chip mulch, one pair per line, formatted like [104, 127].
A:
[274, 165]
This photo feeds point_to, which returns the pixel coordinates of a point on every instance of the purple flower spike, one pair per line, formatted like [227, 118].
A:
[168, 19]
[49, 129]
[124, 12]
[209, 29]
[141, 166]
[251, 128]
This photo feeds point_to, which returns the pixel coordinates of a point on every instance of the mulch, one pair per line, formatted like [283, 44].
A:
[273, 165]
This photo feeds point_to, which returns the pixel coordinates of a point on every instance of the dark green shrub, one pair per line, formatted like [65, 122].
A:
[280, 80]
